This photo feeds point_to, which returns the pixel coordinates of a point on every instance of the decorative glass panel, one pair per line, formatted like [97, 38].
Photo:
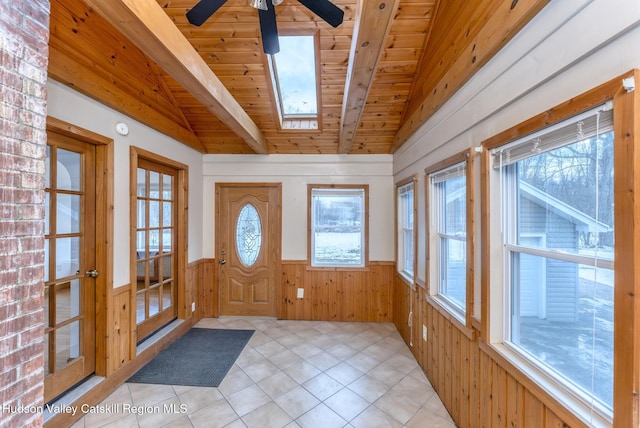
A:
[248, 235]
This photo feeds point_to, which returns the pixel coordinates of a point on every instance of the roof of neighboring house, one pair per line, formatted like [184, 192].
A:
[588, 223]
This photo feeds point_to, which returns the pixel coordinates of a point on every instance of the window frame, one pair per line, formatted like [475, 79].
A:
[627, 278]
[303, 122]
[401, 260]
[462, 318]
[365, 227]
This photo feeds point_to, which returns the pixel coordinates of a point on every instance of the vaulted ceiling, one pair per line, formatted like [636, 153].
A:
[384, 71]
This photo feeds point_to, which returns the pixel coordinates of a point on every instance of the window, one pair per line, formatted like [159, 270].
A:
[294, 72]
[338, 225]
[450, 235]
[406, 233]
[557, 221]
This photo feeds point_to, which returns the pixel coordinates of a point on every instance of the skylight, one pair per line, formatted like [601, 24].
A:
[294, 71]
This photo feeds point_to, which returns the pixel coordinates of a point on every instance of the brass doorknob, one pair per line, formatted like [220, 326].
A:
[92, 273]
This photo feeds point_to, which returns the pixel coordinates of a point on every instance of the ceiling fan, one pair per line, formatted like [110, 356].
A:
[326, 10]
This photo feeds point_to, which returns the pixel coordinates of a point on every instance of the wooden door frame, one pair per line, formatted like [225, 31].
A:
[278, 258]
[104, 160]
[182, 303]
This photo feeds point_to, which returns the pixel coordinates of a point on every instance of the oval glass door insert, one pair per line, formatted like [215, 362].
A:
[248, 235]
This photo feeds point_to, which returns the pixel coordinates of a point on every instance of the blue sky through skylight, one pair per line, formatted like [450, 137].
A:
[296, 70]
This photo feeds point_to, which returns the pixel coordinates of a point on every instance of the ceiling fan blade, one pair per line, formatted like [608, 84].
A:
[203, 11]
[269, 30]
[325, 10]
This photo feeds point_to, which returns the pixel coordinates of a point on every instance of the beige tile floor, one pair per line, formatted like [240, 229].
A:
[294, 374]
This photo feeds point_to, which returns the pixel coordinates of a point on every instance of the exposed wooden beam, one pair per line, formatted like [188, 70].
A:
[148, 26]
[437, 78]
[372, 24]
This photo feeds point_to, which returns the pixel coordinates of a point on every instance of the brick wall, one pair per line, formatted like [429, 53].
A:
[24, 35]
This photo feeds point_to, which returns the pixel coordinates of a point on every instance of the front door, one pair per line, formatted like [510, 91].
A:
[248, 248]
[69, 266]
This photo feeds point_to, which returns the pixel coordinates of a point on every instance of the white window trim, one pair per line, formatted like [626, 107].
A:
[459, 169]
[402, 230]
[588, 410]
[363, 227]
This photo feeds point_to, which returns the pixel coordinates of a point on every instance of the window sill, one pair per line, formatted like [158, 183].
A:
[407, 278]
[560, 399]
[338, 268]
[451, 315]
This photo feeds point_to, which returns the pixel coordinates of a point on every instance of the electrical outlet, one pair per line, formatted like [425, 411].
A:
[424, 333]
[193, 306]
[300, 293]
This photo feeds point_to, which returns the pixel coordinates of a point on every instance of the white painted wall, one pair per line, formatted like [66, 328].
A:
[295, 172]
[68, 105]
[567, 49]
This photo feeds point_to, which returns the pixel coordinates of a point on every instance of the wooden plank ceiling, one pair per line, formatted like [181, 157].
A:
[208, 86]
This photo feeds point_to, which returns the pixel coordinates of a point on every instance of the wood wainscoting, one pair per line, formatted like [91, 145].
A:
[202, 280]
[336, 294]
[122, 337]
[478, 388]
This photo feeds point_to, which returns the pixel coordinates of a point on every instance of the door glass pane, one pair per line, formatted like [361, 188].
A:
[142, 182]
[166, 295]
[46, 260]
[67, 344]
[167, 186]
[141, 246]
[46, 307]
[47, 202]
[167, 241]
[67, 256]
[140, 306]
[46, 354]
[166, 214]
[154, 213]
[140, 275]
[154, 241]
[141, 219]
[68, 170]
[248, 235]
[67, 213]
[47, 169]
[166, 267]
[154, 184]
[67, 300]
[154, 301]
[153, 271]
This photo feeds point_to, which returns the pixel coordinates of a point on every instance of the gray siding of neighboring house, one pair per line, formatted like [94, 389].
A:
[561, 277]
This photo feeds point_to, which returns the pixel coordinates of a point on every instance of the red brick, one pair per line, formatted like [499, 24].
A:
[35, 334]
[9, 246]
[23, 65]
[8, 343]
[32, 273]
[10, 178]
[8, 310]
[9, 376]
[33, 243]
